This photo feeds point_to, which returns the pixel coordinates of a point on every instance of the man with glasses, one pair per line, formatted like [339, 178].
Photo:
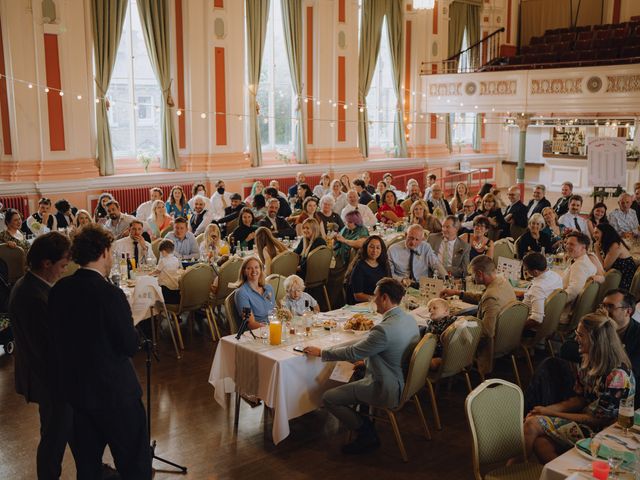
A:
[438, 202]
[516, 212]
[466, 217]
[414, 258]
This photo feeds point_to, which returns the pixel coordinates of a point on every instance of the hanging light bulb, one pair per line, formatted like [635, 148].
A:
[46, 89]
[61, 93]
[79, 97]
[30, 85]
[179, 112]
[203, 115]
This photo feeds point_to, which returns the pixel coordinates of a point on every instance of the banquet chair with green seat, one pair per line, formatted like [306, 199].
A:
[166, 230]
[494, 412]
[232, 225]
[611, 281]
[553, 307]
[228, 274]
[418, 370]
[155, 247]
[459, 345]
[406, 205]
[195, 286]
[509, 327]
[277, 283]
[200, 238]
[373, 206]
[232, 314]
[285, 263]
[318, 264]
[584, 303]
[70, 269]
[503, 248]
[516, 232]
[634, 289]
[396, 239]
[15, 260]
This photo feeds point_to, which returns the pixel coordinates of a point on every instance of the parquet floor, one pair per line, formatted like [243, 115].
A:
[192, 429]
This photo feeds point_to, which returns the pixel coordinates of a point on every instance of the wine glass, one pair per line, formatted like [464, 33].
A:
[615, 461]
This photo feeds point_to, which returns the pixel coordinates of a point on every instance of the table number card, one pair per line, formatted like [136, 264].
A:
[509, 268]
[431, 287]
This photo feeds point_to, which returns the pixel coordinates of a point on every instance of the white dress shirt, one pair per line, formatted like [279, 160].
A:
[170, 271]
[125, 246]
[41, 229]
[569, 220]
[218, 206]
[425, 261]
[624, 222]
[341, 202]
[539, 290]
[368, 217]
[206, 221]
[445, 260]
[532, 208]
[575, 277]
[143, 212]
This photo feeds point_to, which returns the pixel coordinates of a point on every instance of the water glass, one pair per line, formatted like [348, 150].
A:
[264, 332]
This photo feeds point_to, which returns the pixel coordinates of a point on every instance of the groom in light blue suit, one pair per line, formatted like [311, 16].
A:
[386, 350]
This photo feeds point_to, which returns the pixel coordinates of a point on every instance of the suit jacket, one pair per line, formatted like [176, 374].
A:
[94, 340]
[518, 214]
[387, 349]
[542, 204]
[446, 205]
[35, 372]
[461, 251]
[462, 219]
[285, 208]
[365, 197]
[562, 206]
[284, 229]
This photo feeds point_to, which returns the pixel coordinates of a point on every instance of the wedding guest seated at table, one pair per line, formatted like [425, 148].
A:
[118, 222]
[440, 319]
[145, 209]
[200, 216]
[284, 210]
[431, 181]
[572, 220]
[613, 253]
[339, 197]
[330, 221]
[553, 228]
[42, 221]
[268, 247]
[134, 245]
[492, 212]
[497, 295]
[543, 282]
[477, 199]
[381, 187]
[186, 246]
[345, 183]
[231, 212]
[276, 186]
[624, 219]
[562, 204]
[293, 189]
[168, 271]
[386, 351]
[254, 293]
[604, 379]
[539, 202]
[413, 190]
[311, 239]
[419, 215]
[297, 300]
[597, 215]
[438, 205]
[220, 200]
[351, 237]
[177, 205]
[389, 211]
[304, 191]
[245, 232]
[259, 206]
[83, 218]
[534, 239]
[256, 188]
[367, 269]
[364, 196]
[309, 210]
[100, 214]
[213, 248]
[198, 189]
[460, 196]
[12, 235]
[159, 219]
[414, 258]
[274, 222]
[388, 180]
[65, 213]
[478, 240]
[368, 217]
[366, 178]
[466, 216]
[575, 277]
[452, 252]
[516, 212]
[324, 187]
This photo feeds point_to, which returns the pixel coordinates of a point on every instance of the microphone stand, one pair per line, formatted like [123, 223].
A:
[148, 348]
[244, 326]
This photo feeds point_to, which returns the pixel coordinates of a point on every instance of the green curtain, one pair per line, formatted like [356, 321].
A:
[257, 15]
[395, 32]
[292, 20]
[107, 18]
[477, 133]
[464, 15]
[370, 30]
[447, 131]
[154, 17]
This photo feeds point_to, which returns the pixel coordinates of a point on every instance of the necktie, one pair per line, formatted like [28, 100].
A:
[135, 252]
[575, 221]
[411, 275]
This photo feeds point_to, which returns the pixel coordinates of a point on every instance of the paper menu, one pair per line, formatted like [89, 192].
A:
[509, 268]
[431, 287]
[342, 372]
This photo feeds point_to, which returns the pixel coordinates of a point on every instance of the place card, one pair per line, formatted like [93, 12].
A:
[509, 268]
[431, 287]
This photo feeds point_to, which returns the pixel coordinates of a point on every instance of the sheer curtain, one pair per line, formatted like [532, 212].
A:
[154, 17]
[107, 18]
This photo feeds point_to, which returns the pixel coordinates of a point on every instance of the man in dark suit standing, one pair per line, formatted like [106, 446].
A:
[94, 341]
[562, 204]
[516, 212]
[538, 202]
[35, 363]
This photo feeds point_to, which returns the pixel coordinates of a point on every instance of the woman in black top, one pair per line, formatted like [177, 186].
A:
[311, 239]
[534, 239]
[304, 191]
[326, 215]
[244, 233]
[489, 209]
[371, 264]
[613, 252]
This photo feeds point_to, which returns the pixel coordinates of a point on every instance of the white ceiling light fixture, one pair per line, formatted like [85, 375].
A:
[423, 4]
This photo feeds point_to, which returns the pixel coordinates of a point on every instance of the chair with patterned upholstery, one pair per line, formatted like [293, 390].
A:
[459, 345]
[318, 264]
[406, 205]
[373, 206]
[583, 304]
[155, 247]
[612, 280]
[228, 274]
[416, 376]
[232, 314]
[503, 248]
[277, 283]
[285, 263]
[200, 238]
[494, 413]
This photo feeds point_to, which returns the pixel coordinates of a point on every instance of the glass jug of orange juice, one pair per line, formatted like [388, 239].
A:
[275, 332]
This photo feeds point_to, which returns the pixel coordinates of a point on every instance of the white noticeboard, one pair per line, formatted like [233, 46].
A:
[607, 162]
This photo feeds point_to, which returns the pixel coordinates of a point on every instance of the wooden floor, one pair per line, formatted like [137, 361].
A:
[192, 429]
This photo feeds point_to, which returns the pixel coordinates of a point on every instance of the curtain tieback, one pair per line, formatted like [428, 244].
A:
[167, 92]
[102, 94]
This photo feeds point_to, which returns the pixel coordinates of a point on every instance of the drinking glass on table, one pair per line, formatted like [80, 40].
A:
[626, 414]
[615, 462]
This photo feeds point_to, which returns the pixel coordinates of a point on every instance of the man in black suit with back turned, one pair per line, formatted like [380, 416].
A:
[35, 363]
[94, 341]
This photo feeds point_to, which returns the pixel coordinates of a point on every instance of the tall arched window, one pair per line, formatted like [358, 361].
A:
[134, 94]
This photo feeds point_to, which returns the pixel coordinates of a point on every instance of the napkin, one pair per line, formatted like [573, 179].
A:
[604, 452]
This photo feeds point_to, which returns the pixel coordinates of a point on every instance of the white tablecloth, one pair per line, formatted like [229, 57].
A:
[145, 295]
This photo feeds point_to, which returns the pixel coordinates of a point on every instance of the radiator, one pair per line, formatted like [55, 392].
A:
[130, 198]
[19, 202]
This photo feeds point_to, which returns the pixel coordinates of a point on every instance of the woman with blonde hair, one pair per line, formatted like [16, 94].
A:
[253, 293]
[159, 219]
[419, 214]
[268, 247]
[604, 380]
[346, 183]
[311, 239]
[534, 239]
[553, 228]
[212, 246]
[82, 218]
[490, 209]
[461, 194]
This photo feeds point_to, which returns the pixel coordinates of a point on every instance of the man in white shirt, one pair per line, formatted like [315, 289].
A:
[220, 200]
[431, 181]
[572, 220]
[144, 209]
[118, 223]
[134, 245]
[414, 258]
[538, 202]
[388, 178]
[543, 282]
[200, 218]
[353, 203]
[43, 221]
[452, 252]
[575, 277]
[624, 219]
